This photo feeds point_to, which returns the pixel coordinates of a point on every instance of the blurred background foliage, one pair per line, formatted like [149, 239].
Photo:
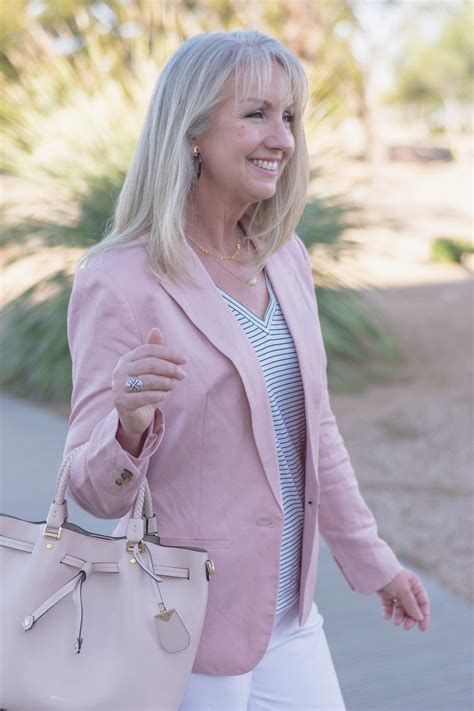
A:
[76, 77]
[438, 73]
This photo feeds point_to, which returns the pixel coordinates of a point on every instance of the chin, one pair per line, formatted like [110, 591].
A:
[265, 193]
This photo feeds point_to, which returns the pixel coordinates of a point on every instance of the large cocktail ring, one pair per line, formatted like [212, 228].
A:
[133, 384]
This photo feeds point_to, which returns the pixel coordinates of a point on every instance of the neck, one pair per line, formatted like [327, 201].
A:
[215, 228]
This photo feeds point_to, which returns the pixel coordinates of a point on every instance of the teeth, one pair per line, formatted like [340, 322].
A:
[268, 165]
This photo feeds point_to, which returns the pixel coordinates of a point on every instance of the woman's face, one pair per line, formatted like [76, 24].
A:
[241, 135]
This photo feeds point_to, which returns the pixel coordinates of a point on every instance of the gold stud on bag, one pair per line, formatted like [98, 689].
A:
[76, 595]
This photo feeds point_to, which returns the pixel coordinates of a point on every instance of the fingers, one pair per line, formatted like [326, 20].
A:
[158, 382]
[412, 606]
[399, 614]
[388, 608]
[152, 350]
[133, 401]
[155, 366]
[409, 623]
[154, 390]
[158, 368]
[423, 603]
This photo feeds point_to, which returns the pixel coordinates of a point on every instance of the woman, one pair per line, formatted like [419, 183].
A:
[198, 361]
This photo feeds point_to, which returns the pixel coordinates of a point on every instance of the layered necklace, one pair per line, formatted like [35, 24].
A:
[251, 281]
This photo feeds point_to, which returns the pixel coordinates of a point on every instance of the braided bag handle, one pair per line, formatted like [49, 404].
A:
[142, 507]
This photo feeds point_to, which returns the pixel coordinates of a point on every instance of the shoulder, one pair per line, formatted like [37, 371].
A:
[112, 291]
[294, 248]
[297, 258]
[117, 262]
[121, 270]
[299, 249]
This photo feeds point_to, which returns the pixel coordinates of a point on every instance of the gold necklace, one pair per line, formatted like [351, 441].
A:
[214, 254]
[252, 281]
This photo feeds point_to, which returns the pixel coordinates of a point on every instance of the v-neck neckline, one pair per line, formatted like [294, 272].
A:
[253, 316]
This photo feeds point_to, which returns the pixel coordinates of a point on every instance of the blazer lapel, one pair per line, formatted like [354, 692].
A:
[205, 307]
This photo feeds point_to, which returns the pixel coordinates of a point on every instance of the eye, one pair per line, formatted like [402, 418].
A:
[289, 118]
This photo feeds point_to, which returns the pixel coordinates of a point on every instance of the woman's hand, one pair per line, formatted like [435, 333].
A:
[412, 603]
[159, 369]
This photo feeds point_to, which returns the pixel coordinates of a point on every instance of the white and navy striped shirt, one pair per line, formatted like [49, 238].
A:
[275, 350]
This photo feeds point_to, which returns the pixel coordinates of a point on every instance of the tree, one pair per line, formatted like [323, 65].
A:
[436, 74]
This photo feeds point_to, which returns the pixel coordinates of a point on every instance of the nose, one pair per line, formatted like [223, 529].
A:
[280, 136]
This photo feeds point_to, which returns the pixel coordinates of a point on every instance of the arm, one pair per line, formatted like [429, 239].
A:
[102, 328]
[345, 521]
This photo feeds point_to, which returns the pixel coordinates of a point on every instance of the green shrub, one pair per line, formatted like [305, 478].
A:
[358, 345]
[35, 361]
[446, 249]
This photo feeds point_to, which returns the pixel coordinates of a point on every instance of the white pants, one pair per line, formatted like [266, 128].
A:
[296, 672]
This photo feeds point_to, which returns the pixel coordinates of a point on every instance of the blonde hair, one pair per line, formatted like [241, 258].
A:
[155, 193]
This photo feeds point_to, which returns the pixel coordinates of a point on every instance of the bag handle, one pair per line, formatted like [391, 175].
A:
[142, 521]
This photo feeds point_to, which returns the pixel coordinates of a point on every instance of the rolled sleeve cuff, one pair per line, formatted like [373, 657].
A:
[151, 443]
[105, 478]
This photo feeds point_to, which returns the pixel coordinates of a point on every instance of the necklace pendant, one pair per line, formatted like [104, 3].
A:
[252, 281]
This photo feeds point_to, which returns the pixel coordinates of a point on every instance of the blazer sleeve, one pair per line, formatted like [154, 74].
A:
[101, 328]
[345, 521]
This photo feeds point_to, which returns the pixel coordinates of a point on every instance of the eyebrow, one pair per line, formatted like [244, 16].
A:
[268, 104]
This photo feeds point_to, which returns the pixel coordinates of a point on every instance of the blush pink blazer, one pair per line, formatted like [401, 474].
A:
[210, 452]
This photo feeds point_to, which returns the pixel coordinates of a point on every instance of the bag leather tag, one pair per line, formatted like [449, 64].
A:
[172, 633]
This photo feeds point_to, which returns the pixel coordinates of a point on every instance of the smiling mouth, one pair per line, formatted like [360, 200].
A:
[270, 167]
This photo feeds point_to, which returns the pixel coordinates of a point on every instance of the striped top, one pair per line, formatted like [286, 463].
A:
[275, 350]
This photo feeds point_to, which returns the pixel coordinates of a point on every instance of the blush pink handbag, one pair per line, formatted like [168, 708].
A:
[91, 621]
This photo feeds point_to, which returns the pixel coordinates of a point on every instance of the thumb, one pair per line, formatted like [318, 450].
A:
[155, 336]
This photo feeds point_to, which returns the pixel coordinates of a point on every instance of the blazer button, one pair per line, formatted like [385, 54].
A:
[126, 475]
[119, 482]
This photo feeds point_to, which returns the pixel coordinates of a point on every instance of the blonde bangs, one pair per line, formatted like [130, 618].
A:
[253, 75]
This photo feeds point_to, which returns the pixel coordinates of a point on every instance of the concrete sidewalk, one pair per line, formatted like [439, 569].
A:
[380, 667]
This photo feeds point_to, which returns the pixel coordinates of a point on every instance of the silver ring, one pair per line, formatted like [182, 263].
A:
[133, 384]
